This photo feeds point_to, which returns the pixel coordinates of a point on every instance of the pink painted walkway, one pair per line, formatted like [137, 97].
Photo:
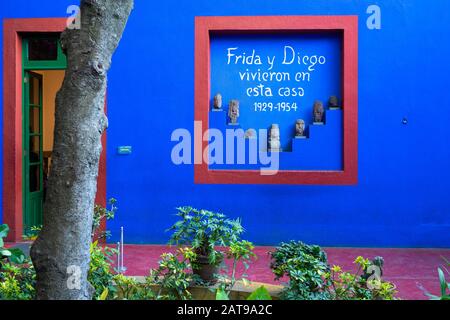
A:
[407, 268]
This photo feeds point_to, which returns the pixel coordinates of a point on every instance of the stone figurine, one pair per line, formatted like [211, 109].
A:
[300, 128]
[333, 102]
[318, 112]
[274, 138]
[233, 111]
[217, 106]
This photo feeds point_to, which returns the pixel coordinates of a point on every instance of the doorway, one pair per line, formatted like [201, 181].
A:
[43, 74]
[15, 62]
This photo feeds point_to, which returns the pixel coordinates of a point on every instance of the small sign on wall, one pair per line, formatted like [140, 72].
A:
[124, 150]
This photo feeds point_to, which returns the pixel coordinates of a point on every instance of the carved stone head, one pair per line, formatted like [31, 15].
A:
[299, 127]
[275, 131]
[218, 101]
[333, 102]
[318, 111]
[274, 137]
[233, 111]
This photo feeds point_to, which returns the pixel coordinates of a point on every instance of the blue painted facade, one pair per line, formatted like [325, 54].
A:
[401, 199]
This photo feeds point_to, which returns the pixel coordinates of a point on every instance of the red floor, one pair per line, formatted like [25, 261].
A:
[407, 268]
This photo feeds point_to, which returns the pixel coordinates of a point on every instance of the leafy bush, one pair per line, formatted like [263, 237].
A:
[100, 273]
[14, 255]
[101, 214]
[305, 266]
[311, 278]
[18, 277]
[129, 289]
[170, 281]
[239, 251]
[173, 276]
[203, 230]
[17, 282]
[32, 234]
[365, 284]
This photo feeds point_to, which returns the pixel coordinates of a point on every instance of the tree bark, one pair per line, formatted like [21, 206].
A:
[60, 254]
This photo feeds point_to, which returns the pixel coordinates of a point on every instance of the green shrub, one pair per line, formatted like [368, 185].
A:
[311, 278]
[17, 277]
[17, 282]
[365, 284]
[14, 255]
[173, 277]
[102, 214]
[239, 251]
[127, 288]
[101, 273]
[305, 266]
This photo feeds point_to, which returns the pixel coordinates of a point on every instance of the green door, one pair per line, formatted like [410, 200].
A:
[32, 151]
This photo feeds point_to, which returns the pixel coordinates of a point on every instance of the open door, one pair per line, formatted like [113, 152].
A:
[32, 151]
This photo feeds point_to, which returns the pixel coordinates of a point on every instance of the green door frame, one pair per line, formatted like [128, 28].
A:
[33, 200]
[32, 166]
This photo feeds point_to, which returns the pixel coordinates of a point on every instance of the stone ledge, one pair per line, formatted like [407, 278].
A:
[240, 291]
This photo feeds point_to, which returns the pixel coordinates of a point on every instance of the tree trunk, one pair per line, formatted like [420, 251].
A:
[61, 252]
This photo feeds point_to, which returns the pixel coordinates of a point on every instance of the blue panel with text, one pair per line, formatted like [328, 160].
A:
[277, 78]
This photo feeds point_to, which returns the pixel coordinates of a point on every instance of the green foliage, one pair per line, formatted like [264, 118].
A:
[221, 294]
[444, 285]
[238, 251]
[305, 266]
[128, 288]
[365, 284]
[260, 294]
[32, 234]
[311, 278]
[100, 273]
[100, 214]
[14, 255]
[203, 230]
[170, 281]
[18, 277]
[104, 294]
[17, 282]
[172, 276]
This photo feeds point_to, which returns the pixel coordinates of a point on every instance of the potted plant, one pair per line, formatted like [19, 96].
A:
[204, 230]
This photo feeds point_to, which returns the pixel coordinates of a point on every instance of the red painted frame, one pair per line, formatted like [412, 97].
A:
[12, 120]
[348, 25]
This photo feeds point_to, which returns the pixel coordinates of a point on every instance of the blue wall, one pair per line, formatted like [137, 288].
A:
[404, 170]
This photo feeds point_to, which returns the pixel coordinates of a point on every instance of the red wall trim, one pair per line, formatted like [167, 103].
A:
[349, 26]
[12, 120]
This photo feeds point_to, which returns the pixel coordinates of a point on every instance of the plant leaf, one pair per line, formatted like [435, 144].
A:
[5, 253]
[104, 294]
[17, 256]
[4, 229]
[442, 281]
[221, 295]
[260, 294]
